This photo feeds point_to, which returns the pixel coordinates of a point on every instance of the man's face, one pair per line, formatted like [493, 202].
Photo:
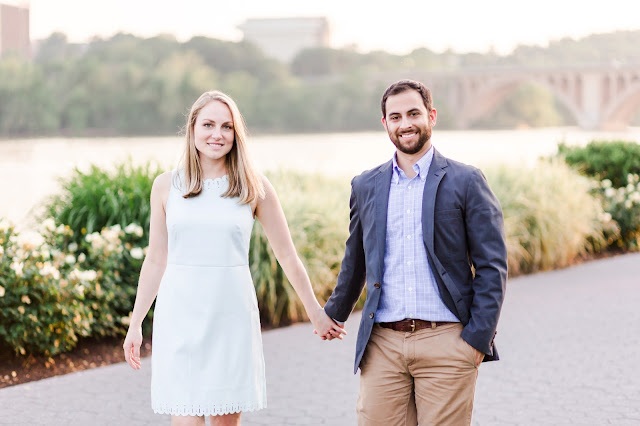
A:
[408, 122]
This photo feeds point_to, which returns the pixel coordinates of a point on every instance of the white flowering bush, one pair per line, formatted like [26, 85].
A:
[623, 206]
[41, 306]
[53, 291]
[116, 254]
[615, 164]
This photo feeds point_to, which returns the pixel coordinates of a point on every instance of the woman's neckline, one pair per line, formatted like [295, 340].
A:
[218, 179]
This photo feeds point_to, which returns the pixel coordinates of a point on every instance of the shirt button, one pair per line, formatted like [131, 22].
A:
[377, 285]
[408, 210]
[409, 263]
[408, 237]
[410, 288]
[371, 315]
[409, 187]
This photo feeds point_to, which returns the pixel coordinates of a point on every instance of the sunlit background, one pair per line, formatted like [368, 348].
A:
[544, 96]
[396, 27]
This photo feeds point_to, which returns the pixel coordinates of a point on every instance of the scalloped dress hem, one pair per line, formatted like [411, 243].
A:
[207, 411]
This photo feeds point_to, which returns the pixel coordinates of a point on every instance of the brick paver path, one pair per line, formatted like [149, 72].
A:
[569, 342]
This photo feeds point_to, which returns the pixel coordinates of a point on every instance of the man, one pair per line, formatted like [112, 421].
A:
[427, 237]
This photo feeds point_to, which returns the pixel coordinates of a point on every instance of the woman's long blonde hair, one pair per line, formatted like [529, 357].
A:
[244, 181]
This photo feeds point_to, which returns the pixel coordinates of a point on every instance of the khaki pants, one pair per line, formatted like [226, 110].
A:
[427, 377]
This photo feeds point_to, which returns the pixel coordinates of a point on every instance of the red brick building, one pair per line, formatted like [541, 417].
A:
[14, 30]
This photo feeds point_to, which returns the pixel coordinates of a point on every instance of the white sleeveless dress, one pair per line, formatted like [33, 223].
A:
[207, 348]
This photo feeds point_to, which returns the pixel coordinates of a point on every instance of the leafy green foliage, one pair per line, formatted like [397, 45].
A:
[616, 164]
[126, 85]
[99, 198]
[27, 103]
[601, 159]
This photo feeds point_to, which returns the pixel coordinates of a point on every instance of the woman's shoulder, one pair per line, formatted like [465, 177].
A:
[269, 190]
[162, 184]
[264, 179]
[163, 180]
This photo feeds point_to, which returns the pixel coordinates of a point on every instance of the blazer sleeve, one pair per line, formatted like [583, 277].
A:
[488, 254]
[351, 278]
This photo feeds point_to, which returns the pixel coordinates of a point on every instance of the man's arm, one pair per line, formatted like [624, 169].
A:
[488, 253]
[351, 278]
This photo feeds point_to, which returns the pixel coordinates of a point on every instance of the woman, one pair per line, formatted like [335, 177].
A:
[207, 350]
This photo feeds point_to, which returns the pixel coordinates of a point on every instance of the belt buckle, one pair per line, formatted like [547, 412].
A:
[413, 325]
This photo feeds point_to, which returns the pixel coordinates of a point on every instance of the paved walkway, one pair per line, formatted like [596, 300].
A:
[569, 342]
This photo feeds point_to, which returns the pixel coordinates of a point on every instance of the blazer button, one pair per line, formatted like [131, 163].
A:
[371, 315]
[377, 285]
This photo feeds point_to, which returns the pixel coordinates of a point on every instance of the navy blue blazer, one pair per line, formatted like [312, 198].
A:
[463, 233]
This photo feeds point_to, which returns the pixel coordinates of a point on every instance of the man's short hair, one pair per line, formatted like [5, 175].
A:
[403, 86]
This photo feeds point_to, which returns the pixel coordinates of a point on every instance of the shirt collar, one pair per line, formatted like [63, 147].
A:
[421, 167]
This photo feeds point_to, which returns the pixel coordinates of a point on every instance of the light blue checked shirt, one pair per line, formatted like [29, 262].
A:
[409, 289]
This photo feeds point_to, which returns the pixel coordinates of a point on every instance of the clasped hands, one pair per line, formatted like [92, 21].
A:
[325, 327]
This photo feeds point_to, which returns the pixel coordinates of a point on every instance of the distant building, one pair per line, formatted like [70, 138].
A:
[14, 30]
[283, 38]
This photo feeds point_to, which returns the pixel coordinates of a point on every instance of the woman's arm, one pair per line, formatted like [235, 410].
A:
[152, 269]
[271, 217]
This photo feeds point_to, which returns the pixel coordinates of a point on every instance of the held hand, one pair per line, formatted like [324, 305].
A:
[330, 335]
[325, 327]
[131, 347]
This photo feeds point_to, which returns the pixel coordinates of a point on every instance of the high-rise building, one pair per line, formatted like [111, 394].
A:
[283, 38]
[14, 30]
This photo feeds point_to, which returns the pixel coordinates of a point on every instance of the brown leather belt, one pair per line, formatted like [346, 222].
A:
[411, 325]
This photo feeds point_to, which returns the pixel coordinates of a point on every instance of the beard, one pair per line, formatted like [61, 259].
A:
[411, 148]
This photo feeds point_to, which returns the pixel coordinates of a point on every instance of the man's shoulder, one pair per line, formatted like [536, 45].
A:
[367, 175]
[459, 168]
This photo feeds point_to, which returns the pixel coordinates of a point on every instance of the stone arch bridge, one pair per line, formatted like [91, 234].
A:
[598, 97]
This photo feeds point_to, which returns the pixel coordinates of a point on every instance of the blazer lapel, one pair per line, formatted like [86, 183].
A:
[435, 175]
[382, 186]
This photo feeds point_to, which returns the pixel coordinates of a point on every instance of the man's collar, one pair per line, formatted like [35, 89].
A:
[421, 167]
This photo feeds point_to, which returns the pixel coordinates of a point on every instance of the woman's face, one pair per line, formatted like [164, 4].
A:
[213, 131]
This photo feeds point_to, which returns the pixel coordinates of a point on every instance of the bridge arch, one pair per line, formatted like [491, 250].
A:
[619, 113]
[596, 97]
[488, 97]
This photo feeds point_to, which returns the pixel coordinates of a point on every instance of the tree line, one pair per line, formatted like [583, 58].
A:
[126, 85]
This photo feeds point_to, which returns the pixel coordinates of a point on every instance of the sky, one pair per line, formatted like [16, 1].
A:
[395, 26]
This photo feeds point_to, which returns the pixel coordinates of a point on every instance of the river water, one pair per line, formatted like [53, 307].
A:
[30, 168]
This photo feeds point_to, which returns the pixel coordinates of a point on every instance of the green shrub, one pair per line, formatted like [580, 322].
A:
[100, 198]
[41, 302]
[616, 164]
[551, 218]
[317, 210]
[613, 160]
